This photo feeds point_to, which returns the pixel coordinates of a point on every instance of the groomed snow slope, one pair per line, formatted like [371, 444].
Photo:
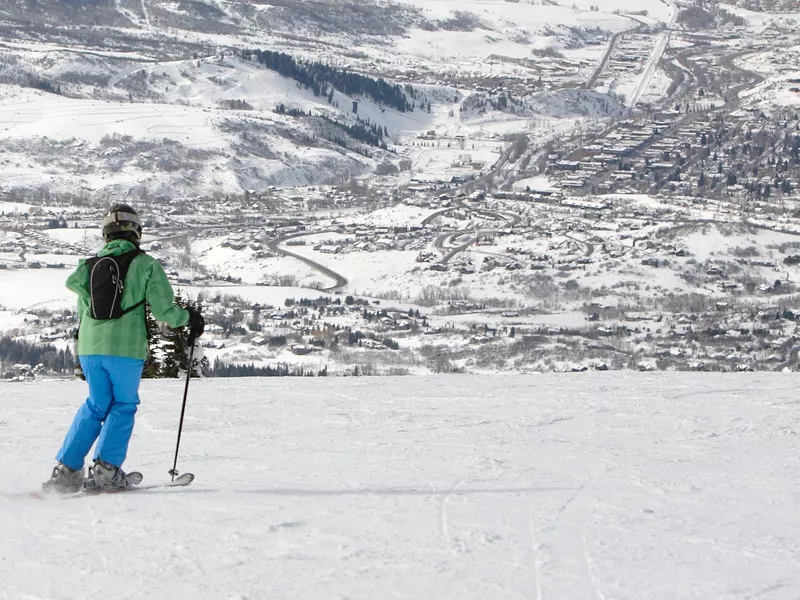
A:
[590, 486]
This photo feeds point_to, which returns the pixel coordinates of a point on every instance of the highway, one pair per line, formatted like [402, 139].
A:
[590, 83]
[655, 58]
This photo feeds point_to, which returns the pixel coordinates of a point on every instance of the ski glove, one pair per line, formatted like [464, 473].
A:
[197, 324]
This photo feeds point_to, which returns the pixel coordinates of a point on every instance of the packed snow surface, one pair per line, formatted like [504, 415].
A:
[574, 486]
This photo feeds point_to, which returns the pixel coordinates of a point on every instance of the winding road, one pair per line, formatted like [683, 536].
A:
[274, 245]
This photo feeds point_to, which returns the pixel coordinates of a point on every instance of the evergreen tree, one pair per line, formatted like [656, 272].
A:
[175, 353]
[151, 366]
[175, 348]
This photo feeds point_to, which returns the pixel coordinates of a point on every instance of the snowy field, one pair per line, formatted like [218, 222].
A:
[27, 289]
[581, 487]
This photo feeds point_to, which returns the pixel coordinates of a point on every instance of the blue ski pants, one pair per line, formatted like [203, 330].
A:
[108, 412]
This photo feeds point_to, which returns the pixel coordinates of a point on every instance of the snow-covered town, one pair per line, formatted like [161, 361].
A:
[516, 281]
[615, 190]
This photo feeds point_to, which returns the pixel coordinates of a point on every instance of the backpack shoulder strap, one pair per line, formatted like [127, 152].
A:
[125, 311]
[125, 259]
[90, 261]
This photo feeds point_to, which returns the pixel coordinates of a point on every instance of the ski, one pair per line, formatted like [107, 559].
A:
[180, 481]
[134, 478]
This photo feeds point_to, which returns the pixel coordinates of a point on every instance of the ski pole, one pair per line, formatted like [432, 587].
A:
[174, 470]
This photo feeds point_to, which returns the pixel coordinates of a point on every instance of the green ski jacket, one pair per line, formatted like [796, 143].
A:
[126, 336]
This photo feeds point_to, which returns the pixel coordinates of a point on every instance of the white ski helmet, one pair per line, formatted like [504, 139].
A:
[121, 222]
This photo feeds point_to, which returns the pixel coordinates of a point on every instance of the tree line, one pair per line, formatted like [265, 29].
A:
[221, 369]
[28, 79]
[26, 353]
[318, 77]
[361, 130]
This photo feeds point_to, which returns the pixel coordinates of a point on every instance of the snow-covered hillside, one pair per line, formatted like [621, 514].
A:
[148, 97]
[193, 147]
[177, 128]
[579, 487]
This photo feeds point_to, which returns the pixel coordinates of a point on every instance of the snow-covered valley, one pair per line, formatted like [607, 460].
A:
[414, 187]
[572, 486]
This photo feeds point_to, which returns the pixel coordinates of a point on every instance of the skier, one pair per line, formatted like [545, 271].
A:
[112, 289]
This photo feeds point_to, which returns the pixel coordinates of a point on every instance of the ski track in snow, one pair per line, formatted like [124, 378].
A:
[591, 486]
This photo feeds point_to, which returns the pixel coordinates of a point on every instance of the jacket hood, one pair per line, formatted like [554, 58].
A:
[116, 247]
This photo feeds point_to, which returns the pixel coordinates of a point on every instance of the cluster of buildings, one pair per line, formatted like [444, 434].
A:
[607, 156]
[743, 155]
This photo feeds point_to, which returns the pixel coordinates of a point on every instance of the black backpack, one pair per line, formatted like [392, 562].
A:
[106, 284]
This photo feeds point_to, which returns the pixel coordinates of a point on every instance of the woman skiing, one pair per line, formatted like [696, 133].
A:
[112, 290]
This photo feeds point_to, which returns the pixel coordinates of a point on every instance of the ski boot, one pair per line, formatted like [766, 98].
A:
[105, 477]
[64, 480]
